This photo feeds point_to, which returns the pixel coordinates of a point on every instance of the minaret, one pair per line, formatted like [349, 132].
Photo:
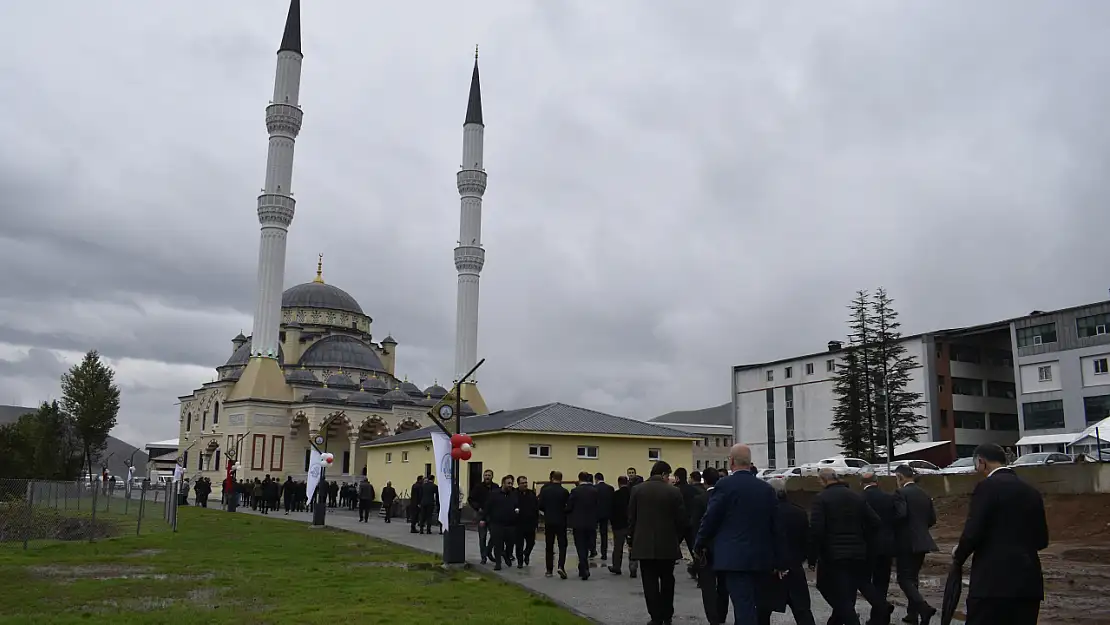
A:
[469, 255]
[276, 204]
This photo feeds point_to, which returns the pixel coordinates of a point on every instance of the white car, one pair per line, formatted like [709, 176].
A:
[961, 466]
[785, 473]
[764, 474]
[921, 467]
[841, 464]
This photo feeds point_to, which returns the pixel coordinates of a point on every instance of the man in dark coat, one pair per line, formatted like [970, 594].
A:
[915, 514]
[527, 519]
[619, 521]
[501, 512]
[477, 498]
[604, 513]
[689, 491]
[365, 499]
[840, 525]
[415, 494]
[882, 542]
[582, 518]
[739, 525]
[552, 502]
[389, 495]
[288, 493]
[657, 522]
[791, 589]
[714, 591]
[429, 503]
[1005, 529]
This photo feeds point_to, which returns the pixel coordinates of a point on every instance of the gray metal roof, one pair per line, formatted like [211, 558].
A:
[319, 295]
[717, 415]
[341, 352]
[555, 417]
[243, 355]
[291, 39]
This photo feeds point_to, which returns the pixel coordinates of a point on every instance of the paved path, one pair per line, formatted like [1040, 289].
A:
[605, 598]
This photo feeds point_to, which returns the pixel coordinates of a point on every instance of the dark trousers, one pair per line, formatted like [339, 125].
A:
[387, 507]
[603, 536]
[502, 539]
[619, 538]
[414, 516]
[714, 595]
[908, 574]
[658, 581]
[880, 574]
[551, 534]
[525, 542]
[364, 509]
[483, 541]
[427, 516]
[797, 598]
[288, 501]
[839, 581]
[743, 589]
[582, 543]
[1002, 611]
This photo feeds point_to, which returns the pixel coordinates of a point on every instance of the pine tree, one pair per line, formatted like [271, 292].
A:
[848, 417]
[861, 335]
[893, 366]
[91, 398]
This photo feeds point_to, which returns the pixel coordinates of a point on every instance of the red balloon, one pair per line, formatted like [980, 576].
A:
[465, 455]
[457, 453]
[458, 439]
[466, 439]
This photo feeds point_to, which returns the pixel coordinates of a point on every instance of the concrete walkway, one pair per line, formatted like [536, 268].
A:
[605, 598]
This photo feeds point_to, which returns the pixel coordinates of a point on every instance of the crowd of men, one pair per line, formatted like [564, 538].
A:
[751, 545]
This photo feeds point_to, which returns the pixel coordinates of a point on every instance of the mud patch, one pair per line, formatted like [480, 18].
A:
[200, 598]
[144, 553]
[405, 566]
[1087, 555]
[70, 573]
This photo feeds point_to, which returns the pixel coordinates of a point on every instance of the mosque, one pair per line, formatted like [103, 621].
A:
[312, 367]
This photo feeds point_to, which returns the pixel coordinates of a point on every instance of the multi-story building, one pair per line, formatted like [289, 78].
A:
[713, 429]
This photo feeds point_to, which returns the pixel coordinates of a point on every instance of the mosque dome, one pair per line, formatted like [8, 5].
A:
[397, 396]
[376, 385]
[362, 398]
[411, 389]
[303, 376]
[436, 391]
[340, 351]
[320, 295]
[323, 395]
[341, 381]
[243, 355]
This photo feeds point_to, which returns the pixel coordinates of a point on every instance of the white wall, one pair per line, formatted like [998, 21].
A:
[1090, 378]
[1031, 380]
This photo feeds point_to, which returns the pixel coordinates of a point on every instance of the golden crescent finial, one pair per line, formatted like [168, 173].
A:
[319, 269]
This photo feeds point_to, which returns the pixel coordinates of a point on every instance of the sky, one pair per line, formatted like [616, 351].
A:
[674, 188]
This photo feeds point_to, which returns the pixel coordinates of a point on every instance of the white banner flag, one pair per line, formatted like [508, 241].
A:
[441, 449]
[314, 469]
[178, 473]
[130, 476]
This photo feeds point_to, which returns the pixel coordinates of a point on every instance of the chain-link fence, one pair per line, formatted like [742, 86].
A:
[41, 510]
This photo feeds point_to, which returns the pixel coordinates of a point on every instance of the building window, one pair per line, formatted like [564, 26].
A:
[388, 458]
[542, 451]
[771, 429]
[969, 420]
[188, 422]
[809, 368]
[1004, 390]
[705, 441]
[655, 454]
[216, 413]
[964, 353]
[965, 451]
[1036, 335]
[998, 357]
[204, 420]
[346, 462]
[830, 365]
[1043, 415]
[791, 449]
[788, 373]
[1004, 422]
[967, 386]
[308, 456]
[770, 376]
[404, 456]
[1093, 325]
[699, 465]
[1044, 373]
[587, 452]
[1097, 409]
[1101, 366]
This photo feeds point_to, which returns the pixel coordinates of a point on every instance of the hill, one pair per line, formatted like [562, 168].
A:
[717, 415]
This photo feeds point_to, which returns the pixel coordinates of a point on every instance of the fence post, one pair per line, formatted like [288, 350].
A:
[142, 501]
[92, 526]
[30, 513]
[176, 502]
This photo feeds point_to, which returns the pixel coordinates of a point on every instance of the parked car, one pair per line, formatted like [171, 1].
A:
[921, 467]
[961, 466]
[841, 464]
[1042, 459]
[785, 473]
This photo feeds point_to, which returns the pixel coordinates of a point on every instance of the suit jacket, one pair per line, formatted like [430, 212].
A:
[604, 500]
[739, 525]
[698, 506]
[793, 523]
[840, 524]
[619, 517]
[882, 542]
[916, 514]
[529, 515]
[582, 507]
[552, 501]
[501, 507]
[1005, 529]
[415, 494]
[429, 494]
[389, 494]
[657, 521]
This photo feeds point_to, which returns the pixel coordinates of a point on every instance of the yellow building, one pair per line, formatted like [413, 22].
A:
[533, 442]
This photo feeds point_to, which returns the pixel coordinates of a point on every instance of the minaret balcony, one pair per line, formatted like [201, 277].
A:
[274, 208]
[284, 119]
[469, 258]
[472, 182]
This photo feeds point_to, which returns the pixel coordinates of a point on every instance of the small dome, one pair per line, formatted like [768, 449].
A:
[303, 376]
[425, 401]
[319, 295]
[397, 396]
[388, 340]
[362, 398]
[375, 385]
[239, 338]
[341, 381]
[243, 355]
[340, 351]
[411, 389]
[323, 395]
[436, 391]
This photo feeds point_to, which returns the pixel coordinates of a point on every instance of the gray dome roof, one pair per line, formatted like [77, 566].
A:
[319, 295]
[341, 352]
[341, 381]
[388, 340]
[375, 385]
[427, 402]
[397, 396]
[411, 389]
[301, 375]
[362, 398]
[239, 338]
[243, 355]
[323, 395]
[436, 391]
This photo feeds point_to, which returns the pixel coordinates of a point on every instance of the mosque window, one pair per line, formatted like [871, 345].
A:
[404, 456]
[388, 458]
[188, 422]
[216, 413]
[346, 463]
[587, 452]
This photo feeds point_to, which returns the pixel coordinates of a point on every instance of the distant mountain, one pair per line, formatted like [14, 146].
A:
[117, 449]
[717, 415]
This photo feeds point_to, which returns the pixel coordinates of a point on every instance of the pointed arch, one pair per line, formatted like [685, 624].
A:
[373, 427]
[407, 424]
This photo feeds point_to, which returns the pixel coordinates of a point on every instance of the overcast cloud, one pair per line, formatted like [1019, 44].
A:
[674, 188]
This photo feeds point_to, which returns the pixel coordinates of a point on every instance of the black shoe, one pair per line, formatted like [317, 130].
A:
[604, 557]
[632, 574]
[483, 560]
[547, 574]
[614, 570]
[910, 618]
[497, 567]
[928, 615]
[562, 573]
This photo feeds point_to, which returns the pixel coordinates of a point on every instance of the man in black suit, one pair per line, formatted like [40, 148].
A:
[527, 519]
[501, 512]
[882, 542]
[553, 507]
[657, 521]
[913, 509]
[1005, 528]
[477, 499]
[429, 503]
[791, 589]
[415, 495]
[619, 520]
[714, 593]
[582, 518]
[604, 514]
[689, 491]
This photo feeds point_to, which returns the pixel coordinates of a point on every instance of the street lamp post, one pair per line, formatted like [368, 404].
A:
[319, 509]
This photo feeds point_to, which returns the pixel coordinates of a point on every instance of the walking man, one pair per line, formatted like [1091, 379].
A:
[429, 502]
[882, 542]
[501, 512]
[915, 514]
[552, 502]
[619, 521]
[479, 494]
[365, 498]
[1005, 529]
[714, 591]
[527, 518]
[791, 589]
[582, 518]
[415, 494]
[657, 523]
[604, 513]
[389, 495]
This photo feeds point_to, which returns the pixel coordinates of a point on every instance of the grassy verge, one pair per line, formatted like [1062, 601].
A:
[225, 568]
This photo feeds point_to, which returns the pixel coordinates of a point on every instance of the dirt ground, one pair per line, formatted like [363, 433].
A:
[1076, 564]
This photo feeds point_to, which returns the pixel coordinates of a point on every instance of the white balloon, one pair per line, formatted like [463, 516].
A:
[465, 447]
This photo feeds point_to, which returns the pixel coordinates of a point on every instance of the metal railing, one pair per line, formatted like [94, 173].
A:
[45, 511]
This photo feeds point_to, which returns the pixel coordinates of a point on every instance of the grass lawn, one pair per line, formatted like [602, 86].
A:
[246, 570]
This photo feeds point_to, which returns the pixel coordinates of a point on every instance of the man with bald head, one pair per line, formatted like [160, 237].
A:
[739, 529]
